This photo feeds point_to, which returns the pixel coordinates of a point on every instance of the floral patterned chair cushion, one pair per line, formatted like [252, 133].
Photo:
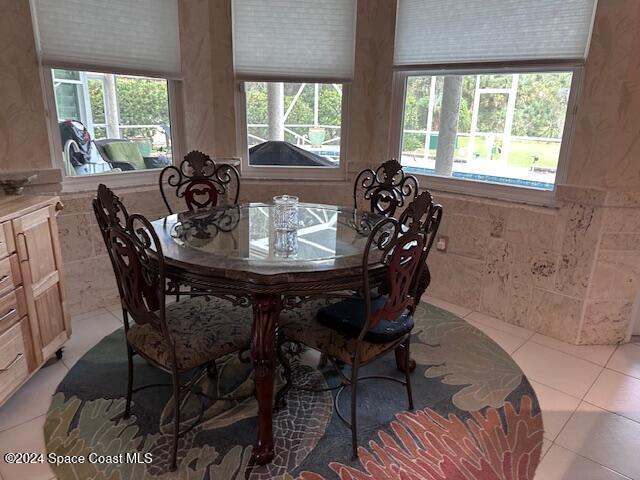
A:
[300, 325]
[202, 330]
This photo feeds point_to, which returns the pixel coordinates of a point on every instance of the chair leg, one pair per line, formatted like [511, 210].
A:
[176, 419]
[323, 361]
[407, 371]
[280, 396]
[354, 408]
[212, 370]
[127, 409]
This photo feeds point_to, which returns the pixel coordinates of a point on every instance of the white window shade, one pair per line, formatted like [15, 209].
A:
[294, 39]
[432, 32]
[129, 36]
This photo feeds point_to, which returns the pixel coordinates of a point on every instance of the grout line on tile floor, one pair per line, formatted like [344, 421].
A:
[570, 415]
[622, 373]
[51, 395]
[534, 333]
[598, 406]
[27, 421]
[592, 383]
[544, 454]
[615, 349]
[571, 354]
[118, 321]
[555, 390]
[565, 426]
[33, 417]
[591, 460]
[514, 352]
[531, 333]
[529, 379]
[573, 413]
[81, 317]
[612, 412]
[2, 430]
[65, 363]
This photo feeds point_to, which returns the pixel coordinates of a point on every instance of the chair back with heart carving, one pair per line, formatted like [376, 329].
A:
[200, 182]
[428, 217]
[430, 222]
[137, 260]
[403, 246]
[384, 190]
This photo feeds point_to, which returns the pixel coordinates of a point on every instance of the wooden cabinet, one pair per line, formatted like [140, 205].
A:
[36, 236]
[34, 323]
[13, 359]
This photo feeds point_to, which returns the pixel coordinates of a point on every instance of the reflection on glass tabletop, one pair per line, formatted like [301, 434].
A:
[248, 232]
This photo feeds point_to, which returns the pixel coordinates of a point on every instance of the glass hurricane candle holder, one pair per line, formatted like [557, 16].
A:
[286, 242]
[285, 213]
[285, 223]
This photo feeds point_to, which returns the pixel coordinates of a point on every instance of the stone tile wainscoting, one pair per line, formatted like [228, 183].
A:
[616, 275]
[570, 271]
[90, 280]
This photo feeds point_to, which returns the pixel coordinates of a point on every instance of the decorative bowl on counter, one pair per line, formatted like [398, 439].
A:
[13, 183]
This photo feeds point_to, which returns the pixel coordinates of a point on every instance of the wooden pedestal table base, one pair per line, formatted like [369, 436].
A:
[214, 250]
[266, 309]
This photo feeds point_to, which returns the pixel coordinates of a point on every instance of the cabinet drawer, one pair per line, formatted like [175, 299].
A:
[9, 274]
[12, 307]
[13, 361]
[7, 245]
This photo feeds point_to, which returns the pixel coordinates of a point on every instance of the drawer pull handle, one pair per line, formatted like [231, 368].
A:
[8, 367]
[4, 278]
[26, 246]
[10, 312]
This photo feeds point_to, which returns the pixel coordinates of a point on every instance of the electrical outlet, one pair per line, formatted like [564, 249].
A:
[441, 244]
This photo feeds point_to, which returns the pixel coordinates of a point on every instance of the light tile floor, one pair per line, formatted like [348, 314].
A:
[590, 398]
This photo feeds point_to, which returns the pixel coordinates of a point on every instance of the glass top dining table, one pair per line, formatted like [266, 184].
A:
[242, 241]
[233, 252]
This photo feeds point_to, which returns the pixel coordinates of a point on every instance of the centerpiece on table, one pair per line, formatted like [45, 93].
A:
[285, 222]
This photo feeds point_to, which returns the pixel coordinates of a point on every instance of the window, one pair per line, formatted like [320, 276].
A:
[504, 128]
[109, 83]
[293, 124]
[485, 91]
[110, 122]
[294, 59]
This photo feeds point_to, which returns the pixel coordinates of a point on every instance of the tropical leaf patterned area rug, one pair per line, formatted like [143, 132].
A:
[476, 418]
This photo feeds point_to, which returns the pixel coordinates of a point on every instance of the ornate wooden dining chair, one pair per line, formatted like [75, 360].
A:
[360, 329]
[180, 337]
[200, 182]
[384, 190]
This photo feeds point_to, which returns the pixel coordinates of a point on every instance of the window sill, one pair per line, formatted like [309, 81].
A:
[144, 178]
[277, 173]
[88, 183]
[492, 191]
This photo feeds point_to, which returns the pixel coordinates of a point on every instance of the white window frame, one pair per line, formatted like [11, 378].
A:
[87, 120]
[91, 125]
[285, 172]
[476, 187]
[83, 183]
